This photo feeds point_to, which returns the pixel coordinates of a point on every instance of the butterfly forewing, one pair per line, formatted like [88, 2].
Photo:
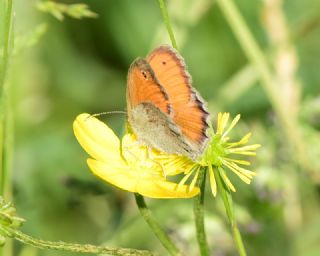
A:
[143, 87]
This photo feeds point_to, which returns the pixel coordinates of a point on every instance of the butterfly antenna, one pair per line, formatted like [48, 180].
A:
[106, 113]
[109, 112]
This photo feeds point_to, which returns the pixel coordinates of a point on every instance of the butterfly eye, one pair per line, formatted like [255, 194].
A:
[144, 74]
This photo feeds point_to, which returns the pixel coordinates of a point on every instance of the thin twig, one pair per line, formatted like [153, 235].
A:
[72, 247]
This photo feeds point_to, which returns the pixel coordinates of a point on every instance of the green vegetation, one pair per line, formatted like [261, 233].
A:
[62, 58]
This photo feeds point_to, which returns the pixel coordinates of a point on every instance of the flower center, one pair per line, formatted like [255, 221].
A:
[215, 151]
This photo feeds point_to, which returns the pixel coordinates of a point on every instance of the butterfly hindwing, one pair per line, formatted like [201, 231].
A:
[188, 110]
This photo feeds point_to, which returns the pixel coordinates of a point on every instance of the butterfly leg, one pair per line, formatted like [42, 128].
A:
[121, 152]
[126, 149]
[149, 156]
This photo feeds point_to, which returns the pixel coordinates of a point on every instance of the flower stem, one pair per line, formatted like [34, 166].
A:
[165, 15]
[3, 98]
[6, 133]
[7, 30]
[80, 248]
[198, 209]
[155, 226]
[257, 58]
[228, 204]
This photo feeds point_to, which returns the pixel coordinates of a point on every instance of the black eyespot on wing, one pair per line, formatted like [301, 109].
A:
[144, 74]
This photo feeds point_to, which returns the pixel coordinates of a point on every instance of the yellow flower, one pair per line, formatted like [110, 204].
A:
[133, 167]
[128, 165]
[218, 155]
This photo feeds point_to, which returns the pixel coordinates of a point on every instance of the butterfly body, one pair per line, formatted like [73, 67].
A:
[164, 110]
[153, 128]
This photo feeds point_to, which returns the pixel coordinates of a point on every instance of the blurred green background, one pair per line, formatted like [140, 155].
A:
[65, 67]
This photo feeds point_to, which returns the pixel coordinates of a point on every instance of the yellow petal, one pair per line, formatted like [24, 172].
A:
[244, 140]
[222, 122]
[118, 176]
[238, 161]
[213, 183]
[226, 180]
[165, 189]
[233, 123]
[245, 148]
[97, 139]
[186, 177]
[244, 174]
[174, 164]
[146, 185]
[195, 178]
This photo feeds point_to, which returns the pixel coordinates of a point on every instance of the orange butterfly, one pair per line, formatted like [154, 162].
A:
[164, 110]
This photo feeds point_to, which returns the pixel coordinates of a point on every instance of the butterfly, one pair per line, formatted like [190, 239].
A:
[164, 110]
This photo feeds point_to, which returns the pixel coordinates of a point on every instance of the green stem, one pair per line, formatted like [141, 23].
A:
[256, 56]
[3, 99]
[198, 209]
[6, 44]
[238, 239]
[155, 226]
[165, 15]
[7, 151]
[228, 204]
[6, 133]
[71, 247]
